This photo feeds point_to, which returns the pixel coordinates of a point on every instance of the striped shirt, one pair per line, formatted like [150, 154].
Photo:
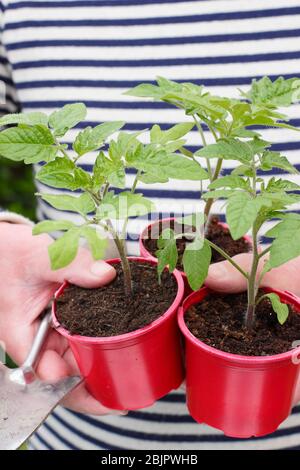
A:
[60, 51]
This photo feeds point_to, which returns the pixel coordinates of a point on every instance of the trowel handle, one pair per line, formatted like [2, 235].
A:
[38, 341]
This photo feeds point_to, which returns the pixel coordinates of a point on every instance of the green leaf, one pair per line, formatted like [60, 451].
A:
[148, 178]
[168, 165]
[97, 241]
[281, 309]
[67, 117]
[196, 260]
[29, 144]
[280, 92]
[231, 149]
[286, 246]
[125, 204]
[83, 204]
[167, 254]
[281, 185]
[64, 250]
[174, 133]
[63, 173]
[241, 213]
[112, 171]
[91, 139]
[48, 226]
[231, 181]
[218, 194]
[30, 119]
[145, 90]
[270, 160]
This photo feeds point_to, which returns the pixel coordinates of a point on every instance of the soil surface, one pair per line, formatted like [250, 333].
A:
[215, 233]
[218, 320]
[108, 312]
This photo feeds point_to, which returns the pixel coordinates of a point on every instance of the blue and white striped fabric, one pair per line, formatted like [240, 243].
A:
[58, 51]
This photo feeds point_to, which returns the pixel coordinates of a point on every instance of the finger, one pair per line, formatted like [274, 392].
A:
[83, 271]
[81, 400]
[285, 277]
[53, 367]
[224, 277]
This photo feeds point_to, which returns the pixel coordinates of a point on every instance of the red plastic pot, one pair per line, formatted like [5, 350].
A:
[132, 370]
[243, 396]
[154, 227]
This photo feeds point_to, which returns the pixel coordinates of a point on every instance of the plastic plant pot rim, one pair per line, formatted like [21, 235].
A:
[143, 235]
[238, 359]
[126, 336]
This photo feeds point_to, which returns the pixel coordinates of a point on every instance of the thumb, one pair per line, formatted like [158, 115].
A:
[224, 277]
[83, 271]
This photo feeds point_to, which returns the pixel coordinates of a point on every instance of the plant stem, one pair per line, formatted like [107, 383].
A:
[199, 127]
[120, 244]
[210, 202]
[228, 258]
[252, 282]
[124, 260]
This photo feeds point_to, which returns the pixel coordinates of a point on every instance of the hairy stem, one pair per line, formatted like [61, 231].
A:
[199, 127]
[120, 244]
[252, 281]
[210, 202]
[228, 258]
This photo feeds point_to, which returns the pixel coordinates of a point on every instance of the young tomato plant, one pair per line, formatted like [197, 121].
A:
[229, 122]
[35, 138]
[224, 117]
[250, 202]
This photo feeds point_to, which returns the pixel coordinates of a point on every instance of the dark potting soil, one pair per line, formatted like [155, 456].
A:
[218, 320]
[108, 312]
[215, 233]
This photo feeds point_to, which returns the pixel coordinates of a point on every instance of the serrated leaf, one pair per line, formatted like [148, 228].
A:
[218, 194]
[196, 260]
[91, 139]
[64, 250]
[286, 245]
[112, 171]
[125, 204]
[167, 254]
[231, 149]
[231, 181]
[270, 160]
[83, 204]
[281, 185]
[241, 213]
[145, 90]
[168, 165]
[29, 144]
[67, 117]
[280, 92]
[171, 134]
[96, 241]
[48, 226]
[63, 173]
[30, 119]
[281, 309]
[149, 178]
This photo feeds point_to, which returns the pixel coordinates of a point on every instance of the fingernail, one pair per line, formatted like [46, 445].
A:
[218, 271]
[100, 268]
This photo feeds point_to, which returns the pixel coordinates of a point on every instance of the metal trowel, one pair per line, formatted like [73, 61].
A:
[26, 401]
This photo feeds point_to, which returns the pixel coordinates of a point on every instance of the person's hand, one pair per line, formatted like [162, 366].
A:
[27, 284]
[223, 277]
